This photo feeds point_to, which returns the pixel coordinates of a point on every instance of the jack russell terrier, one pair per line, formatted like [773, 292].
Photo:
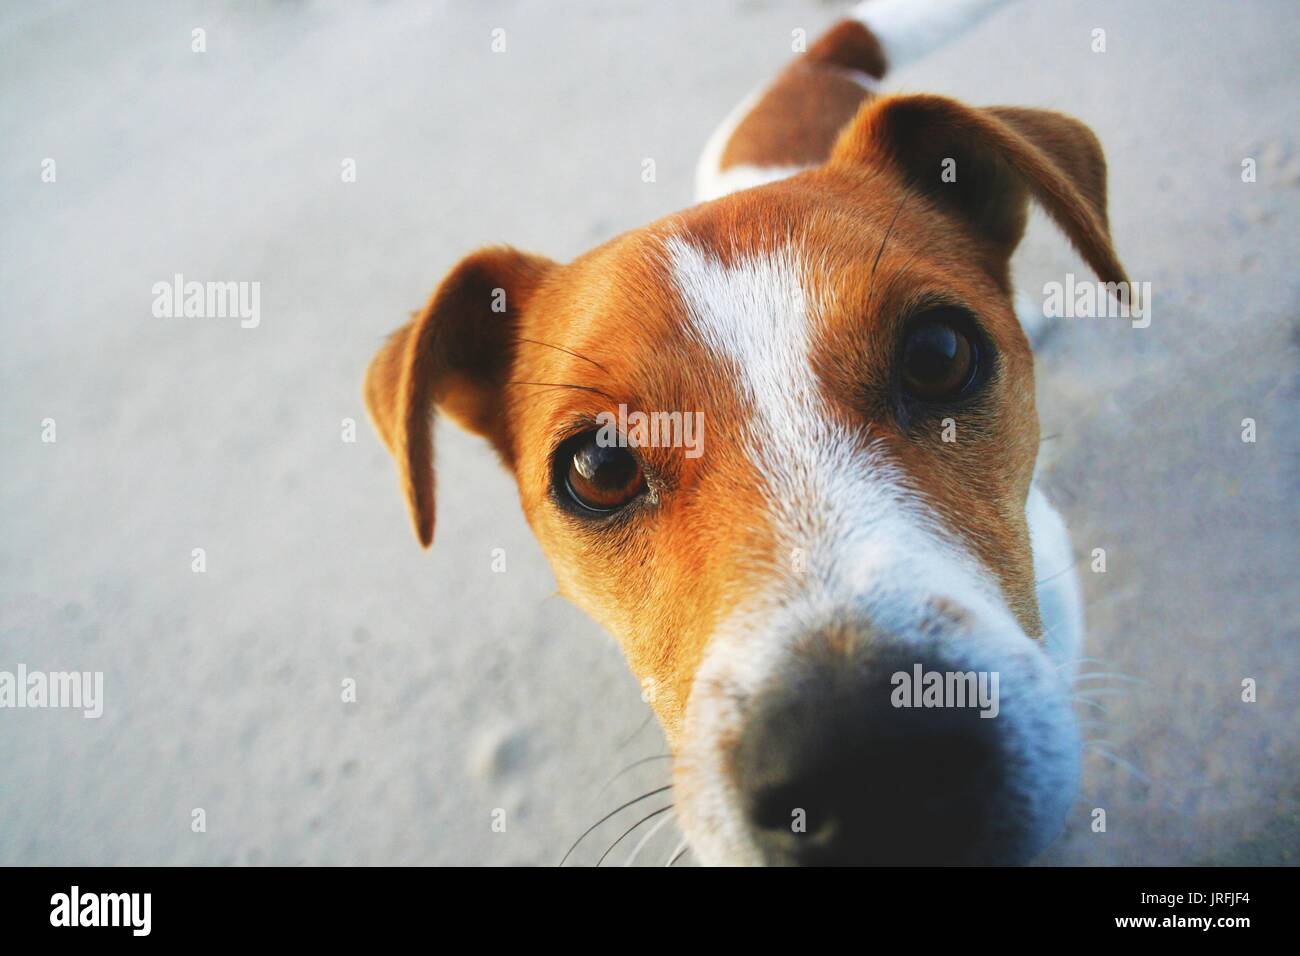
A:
[838, 308]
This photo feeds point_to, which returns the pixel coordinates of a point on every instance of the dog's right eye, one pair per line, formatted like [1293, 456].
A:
[598, 478]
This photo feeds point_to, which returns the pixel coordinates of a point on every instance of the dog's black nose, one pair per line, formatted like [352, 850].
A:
[832, 772]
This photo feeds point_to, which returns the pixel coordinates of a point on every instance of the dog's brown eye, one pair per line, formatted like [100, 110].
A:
[600, 477]
[939, 358]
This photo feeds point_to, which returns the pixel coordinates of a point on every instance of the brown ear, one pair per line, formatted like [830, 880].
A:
[1002, 156]
[455, 354]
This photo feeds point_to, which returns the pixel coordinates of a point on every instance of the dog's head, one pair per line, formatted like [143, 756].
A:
[853, 507]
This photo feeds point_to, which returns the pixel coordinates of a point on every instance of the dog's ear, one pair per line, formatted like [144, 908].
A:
[456, 354]
[984, 164]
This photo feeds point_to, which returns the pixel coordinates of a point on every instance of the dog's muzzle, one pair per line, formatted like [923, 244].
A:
[898, 754]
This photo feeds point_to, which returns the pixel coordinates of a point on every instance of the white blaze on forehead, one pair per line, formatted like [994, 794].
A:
[754, 313]
[831, 495]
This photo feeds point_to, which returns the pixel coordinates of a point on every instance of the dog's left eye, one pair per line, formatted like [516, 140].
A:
[940, 356]
[597, 477]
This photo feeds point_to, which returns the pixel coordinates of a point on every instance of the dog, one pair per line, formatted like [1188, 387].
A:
[864, 513]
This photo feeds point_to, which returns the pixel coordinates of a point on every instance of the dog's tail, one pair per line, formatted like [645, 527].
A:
[791, 124]
[910, 29]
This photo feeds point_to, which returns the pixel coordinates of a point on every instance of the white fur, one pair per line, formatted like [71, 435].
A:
[870, 549]
[909, 29]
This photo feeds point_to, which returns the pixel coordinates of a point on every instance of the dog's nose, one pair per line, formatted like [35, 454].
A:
[832, 772]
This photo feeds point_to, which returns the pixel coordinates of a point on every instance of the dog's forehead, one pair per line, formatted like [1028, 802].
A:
[858, 247]
[638, 307]
[749, 303]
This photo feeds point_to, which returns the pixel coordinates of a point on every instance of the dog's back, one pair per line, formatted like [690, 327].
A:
[792, 123]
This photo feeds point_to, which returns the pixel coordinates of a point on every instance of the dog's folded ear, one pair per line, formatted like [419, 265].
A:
[455, 355]
[983, 164]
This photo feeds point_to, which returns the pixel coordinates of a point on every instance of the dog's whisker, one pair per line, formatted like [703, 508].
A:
[628, 831]
[1121, 762]
[1101, 692]
[1096, 705]
[678, 853]
[1065, 570]
[649, 835]
[1096, 675]
[628, 769]
[580, 388]
[561, 348]
[889, 231]
[636, 733]
[1046, 636]
[614, 812]
[1078, 661]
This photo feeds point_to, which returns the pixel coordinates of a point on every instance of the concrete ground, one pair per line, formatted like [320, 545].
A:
[476, 690]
